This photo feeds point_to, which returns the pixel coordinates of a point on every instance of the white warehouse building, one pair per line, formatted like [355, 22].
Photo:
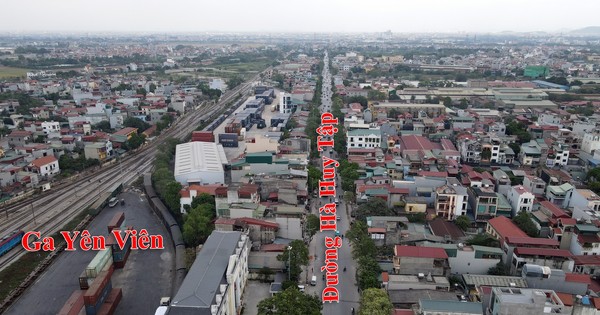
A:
[200, 163]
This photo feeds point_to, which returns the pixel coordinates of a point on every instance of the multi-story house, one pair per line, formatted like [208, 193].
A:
[534, 184]
[554, 258]
[585, 199]
[591, 142]
[560, 195]
[558, 155]
[98, 150]
[484, 203]
[585, 240]
[509, 301]
[451, 200]
[364, 138]
[502, 182]
[520, 199]
[45, 166]
[530, 154]
[470, 150]
[470, 259]
[20, 138]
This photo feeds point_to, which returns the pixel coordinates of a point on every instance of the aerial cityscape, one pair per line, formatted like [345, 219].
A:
[429, 158]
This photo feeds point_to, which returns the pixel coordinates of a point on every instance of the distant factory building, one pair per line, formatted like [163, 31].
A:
[200, 163]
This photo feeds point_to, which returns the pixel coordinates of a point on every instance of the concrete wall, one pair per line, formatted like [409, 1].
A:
[206, 177]
[465, 262]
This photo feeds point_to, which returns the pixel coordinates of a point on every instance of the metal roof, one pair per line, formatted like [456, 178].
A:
[200, 286]
[495, 281]
[194, 157]
[451, 306]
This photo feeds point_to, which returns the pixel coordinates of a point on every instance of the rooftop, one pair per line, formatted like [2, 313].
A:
[505, 227]
[420, 252]
[199, 288]
[455, 307]
[495, 281]
[199, 156]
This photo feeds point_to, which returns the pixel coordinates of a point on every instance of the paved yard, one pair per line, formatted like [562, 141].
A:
[255, 292]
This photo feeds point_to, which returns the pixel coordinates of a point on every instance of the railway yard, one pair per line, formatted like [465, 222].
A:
[48, 212]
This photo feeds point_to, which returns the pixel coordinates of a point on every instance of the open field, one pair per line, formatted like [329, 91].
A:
[7, 72]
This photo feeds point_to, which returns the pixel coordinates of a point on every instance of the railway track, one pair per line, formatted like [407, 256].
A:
[88, 187]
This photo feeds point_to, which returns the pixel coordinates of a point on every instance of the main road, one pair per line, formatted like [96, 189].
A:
[348, 291]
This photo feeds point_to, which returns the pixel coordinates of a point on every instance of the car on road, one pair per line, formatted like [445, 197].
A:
[113, 202]
[337, 233]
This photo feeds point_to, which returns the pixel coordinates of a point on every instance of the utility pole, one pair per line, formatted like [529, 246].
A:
[289, 248]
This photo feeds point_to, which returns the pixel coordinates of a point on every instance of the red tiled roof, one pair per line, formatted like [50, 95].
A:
[433, 174]
[554, 209]
[596, 302]
[549, 252]
[566, 298]
[568, 221]
[587, 260]
[403, 312]
[531, 241]
[506, 228]
[38, 163]
[441, 227]
[420, 251]
[588, 238]
[414, 142]
[125, 131]
[580, 278]
[376, 230]
[225, 221]
[212, 190]
[272, 247]
[252, 221]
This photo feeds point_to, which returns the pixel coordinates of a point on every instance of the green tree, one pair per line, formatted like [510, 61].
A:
[349, 173]
[135, 141]
[375, 301]
[136, 123]
[483, 240]
[197, 226]
[297, 257]
[447, 101]
[141, 91]
[364, 102]
[172, 195]
[375, 95]
[314, 174]
[291, 302]
[103, 126]
[375, 207]
[499, 270]
[463, 222]
[235, 81]
[152, 87]
[313, 224]
[523, 221]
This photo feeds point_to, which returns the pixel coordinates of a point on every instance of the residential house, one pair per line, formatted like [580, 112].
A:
[510, 301]
[218, 191]
[20, 138]
[363, 138]
[585, 240]
[98, 150]
[591, 141]
[558, 154]
[472, 259]
[385, 230]
[451, 200]
[521, 199]
[530, 154]
[412, 260]
[534, 184]
[585, 199]
[502, 181]
[484, 203]
[502, 227]
[45, 166]
[445, 307]
[552, 258]
[560, 195]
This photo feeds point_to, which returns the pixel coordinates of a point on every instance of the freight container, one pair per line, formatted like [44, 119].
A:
[84, 281]
[121, 263]
[111, 241]
[93, 309]
[116, 221]
[73, 305]
[96, 290]
[228, 140]
[112, 301]
[99, 263]
[203, 136]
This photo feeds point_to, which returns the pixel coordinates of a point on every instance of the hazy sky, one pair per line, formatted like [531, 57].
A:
[298, 16]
